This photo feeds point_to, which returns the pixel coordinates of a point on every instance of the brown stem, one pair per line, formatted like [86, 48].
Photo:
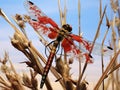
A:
[106, 70]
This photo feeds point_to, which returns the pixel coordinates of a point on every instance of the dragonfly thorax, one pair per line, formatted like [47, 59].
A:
[60, 37]
[65, 30]
[67, 27]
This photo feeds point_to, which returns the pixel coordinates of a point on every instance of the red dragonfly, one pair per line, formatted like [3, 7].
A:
[46, 26]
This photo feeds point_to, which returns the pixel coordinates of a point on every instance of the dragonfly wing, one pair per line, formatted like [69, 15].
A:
[69, 46]
[107, 50]
[40, 22]
[86, 46]
[71, 49]
[83, 42]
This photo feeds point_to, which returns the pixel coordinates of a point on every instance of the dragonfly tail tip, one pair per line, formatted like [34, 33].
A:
[41, 85]
[109, 47]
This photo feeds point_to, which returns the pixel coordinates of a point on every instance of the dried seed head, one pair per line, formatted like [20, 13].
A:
[26, 80]
[34, 83]
[4, 68]
[117, 22]
[18, 17]
[26, 18]
[68, 84]
[21, 24]
[107, 22]
[83, 85]
[19, 21]
[6, 58]
[70, 60]
[19, 41]
[114, 5]
[59, 65]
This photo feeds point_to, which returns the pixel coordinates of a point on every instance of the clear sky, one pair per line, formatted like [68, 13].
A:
[89, 22]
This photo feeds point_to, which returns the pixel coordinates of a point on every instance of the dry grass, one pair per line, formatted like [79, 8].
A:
[13, 81]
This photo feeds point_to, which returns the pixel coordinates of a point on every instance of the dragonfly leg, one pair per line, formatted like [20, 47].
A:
[58, 48]
[58, 79]
[46, 47]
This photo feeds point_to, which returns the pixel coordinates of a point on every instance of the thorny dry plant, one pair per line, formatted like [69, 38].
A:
[13, 81]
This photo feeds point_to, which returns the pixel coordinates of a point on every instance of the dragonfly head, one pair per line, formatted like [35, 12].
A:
[30, 2]
[67, 27]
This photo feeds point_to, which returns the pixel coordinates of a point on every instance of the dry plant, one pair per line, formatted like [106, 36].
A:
[61, 71]
[13, 80]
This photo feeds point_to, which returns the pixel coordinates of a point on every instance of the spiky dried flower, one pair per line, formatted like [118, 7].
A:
[26, 18]
[114, 5]
[71, 60]
[30, 82]
[20, 21]
[62, 67]
[26, 80]
[6, 58]
[117, 22]
[107, 22]
[18, 17]
[19, 41]
[4, 68]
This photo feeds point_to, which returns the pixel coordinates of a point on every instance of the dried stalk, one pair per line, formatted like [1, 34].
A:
[115, 68]
[6, 18]
[60, 12]
[13, 81]
[102, 53]
[118, 29]
[63, 14]
[97, 33]
[98, 29]
[114, 37]
[100, 9]
[20, 23]
[106, 70]
[79, 31]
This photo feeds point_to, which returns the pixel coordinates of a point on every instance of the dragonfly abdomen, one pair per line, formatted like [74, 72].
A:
[49, 62]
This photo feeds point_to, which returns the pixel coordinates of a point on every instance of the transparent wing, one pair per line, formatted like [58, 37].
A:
[40, 22]
[97, 49]
[107, 50]
[86, 45]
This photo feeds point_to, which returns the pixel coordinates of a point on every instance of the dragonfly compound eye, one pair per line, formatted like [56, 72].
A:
[31, 2]
[67, 27]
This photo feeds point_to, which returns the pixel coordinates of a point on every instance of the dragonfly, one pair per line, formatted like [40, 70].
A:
[62, 37]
